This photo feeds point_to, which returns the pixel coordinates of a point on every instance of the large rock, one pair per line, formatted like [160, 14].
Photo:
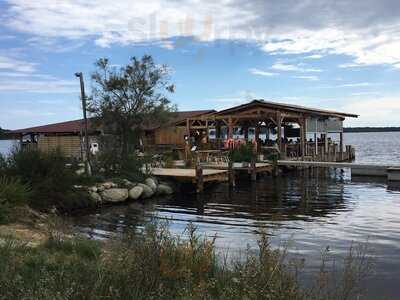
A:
[128, 184]
[147, 191]
[115, 195]
[164, 189]
[135, 192]
[152, 183]
[95, 197]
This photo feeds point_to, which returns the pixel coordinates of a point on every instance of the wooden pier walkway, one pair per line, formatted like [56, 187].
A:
[197, 176]
[392, 172]
[190, 174]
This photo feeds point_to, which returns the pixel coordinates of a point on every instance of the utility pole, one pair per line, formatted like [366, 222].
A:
[83, 97]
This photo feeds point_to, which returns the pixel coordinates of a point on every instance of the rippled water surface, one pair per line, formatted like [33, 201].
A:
[314, 210]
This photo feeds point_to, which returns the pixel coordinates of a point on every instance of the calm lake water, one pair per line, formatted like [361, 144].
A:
[5, 146]
[326, 209]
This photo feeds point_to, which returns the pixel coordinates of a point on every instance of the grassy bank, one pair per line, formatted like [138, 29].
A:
[154, 264]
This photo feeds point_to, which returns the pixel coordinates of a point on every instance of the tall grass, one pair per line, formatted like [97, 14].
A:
[155, 265]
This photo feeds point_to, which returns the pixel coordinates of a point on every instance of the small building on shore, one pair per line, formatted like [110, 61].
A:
[69, 136]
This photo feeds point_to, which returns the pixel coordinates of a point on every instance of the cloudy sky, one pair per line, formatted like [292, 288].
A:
[337, 54]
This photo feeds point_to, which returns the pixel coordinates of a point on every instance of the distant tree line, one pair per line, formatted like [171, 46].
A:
[3, 133]
[371, 129]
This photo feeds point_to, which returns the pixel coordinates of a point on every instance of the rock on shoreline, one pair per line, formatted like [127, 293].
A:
[110, 192]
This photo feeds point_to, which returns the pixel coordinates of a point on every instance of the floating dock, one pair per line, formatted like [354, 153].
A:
[389, 171]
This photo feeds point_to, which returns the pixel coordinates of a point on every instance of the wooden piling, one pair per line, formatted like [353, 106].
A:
[253, 168]
[231, 174]
[199, 178]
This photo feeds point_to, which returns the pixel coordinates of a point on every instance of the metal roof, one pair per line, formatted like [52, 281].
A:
[287, 107]
[76, 126]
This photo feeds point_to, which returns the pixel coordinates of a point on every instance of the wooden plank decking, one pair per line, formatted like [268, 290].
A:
[190, 174]
[260, 167]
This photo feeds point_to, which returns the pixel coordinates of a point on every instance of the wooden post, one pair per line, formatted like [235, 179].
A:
[341, 146]
[279, 130]
[246, 133]
[207, 131]
[253, 167]
[334, 152]
[230, 128]
[199, 178]
[231, 174]
[302, 137]
[257, 136]
[218, 133]
[326, 146]
[187, 142]
[316, 144]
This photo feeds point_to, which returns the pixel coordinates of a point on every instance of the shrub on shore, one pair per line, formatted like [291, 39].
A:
[13, 194]
[152, 265]
[51, 181]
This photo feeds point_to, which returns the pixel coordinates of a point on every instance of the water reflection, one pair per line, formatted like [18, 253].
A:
[271, 203]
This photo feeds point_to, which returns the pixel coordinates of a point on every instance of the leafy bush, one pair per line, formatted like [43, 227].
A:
[243, 153]
[109, 163]
[49, 177]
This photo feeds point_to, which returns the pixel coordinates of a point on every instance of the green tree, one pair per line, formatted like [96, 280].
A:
[127, 99]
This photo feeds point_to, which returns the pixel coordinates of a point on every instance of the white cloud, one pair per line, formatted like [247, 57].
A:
[33, 85]
[314, 56]
[350, 85]
[256, 71]
[368, 31]
[358, 84]
[311, 77]
[290, 67]
[12, 64]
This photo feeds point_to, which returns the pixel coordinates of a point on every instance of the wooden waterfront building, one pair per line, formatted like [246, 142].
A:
[284, 126]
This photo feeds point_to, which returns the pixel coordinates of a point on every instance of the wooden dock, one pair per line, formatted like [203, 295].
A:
[390, 171]
[259, 167]
[197, 176]
[190, 174]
